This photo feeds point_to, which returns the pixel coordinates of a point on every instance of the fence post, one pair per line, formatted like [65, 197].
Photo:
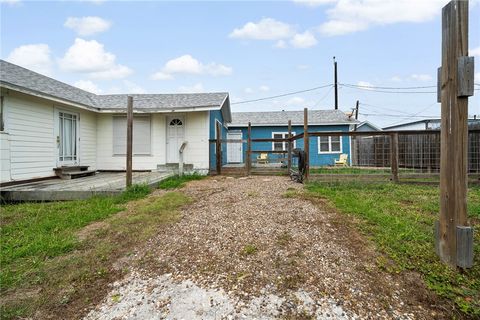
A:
[394, 156]
[249, 148]
[218, 148]
[289, 149]
[454, 131]
[306, 144]
[129, 141]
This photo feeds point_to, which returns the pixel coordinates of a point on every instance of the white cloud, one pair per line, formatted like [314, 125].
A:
[265, 29]
[303, 40]
[364, 84]
[132, 87]
[348, 16]
[196, 88]
[421, 77]
[475, 52]
[115, 72]
[88, 85]
[161, 76]
[264, 88]
[248, 90]
[86, 26]
[281, 44]
[187, 64]
[295, 101]
[11, 2]
[313, 3]
[90, 57]
[32, 56]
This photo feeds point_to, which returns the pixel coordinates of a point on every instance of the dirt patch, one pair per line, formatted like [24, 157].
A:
[251, 238]
[90, 230]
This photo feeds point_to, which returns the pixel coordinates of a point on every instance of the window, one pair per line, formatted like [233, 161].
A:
[330, 144]
[141, 135]
[283, 145]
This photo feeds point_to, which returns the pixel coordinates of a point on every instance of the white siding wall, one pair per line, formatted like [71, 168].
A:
[4, 157]
[29, 121]
[196, 133]
[196, 152]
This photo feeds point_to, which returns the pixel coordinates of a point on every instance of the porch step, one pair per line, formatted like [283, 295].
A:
[173, 167]
[73, 172]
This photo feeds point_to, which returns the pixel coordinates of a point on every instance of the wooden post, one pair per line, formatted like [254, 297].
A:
[129, 140]
[218, 148]
[453, 150]
[335, 79]
[306, 144]
[394, 156]
[289, 149]
[249, 149]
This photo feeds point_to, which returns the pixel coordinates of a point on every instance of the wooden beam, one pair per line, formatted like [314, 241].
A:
[306, 143]
[394, 156]
[129, 140]
[249, 148]
[289, 149]
[218, 148]
[453, 150]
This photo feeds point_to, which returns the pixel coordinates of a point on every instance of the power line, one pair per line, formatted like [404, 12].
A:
[323, 98]
[416, 114]
[283, 95]
[390, 88]
[369, 106]
[383, 91]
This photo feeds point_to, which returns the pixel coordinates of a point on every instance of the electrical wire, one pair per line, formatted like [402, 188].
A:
[282, 95]
[383, 91]
[389, 88]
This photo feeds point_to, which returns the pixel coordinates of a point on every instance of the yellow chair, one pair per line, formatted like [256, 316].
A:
[262, 158]
[342, 161]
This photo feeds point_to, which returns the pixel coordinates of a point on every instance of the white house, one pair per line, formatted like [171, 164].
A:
[47, 124]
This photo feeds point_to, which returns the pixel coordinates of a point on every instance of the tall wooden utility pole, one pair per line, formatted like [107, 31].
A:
[306, 144]
[129, 140]
[454, 240]
[335, 82]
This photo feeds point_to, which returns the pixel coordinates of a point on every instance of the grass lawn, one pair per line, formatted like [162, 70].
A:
[399, 219]
[179, 181]
[57, 257]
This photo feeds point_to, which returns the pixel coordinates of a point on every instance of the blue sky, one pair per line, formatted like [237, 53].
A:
[250, 49]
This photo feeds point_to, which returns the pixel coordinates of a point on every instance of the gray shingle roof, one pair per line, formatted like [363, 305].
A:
[163, 101]
[27, 79]
[21, 78]
[240, 119]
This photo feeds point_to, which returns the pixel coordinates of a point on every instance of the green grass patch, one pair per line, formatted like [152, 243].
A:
[249, 249]
[356, 170]
[400, 219]
[42, 250]
[179, 181]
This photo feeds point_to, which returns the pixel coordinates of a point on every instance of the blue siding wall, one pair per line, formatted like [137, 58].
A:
[217, 115]
[316, 159]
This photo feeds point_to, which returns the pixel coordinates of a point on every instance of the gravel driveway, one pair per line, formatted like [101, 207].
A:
[254, 248]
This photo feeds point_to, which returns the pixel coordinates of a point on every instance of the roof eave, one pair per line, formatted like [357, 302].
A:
[42, 95]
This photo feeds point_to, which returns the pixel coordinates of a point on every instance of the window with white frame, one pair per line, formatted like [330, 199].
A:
[330, 144]
[141, 135]
[283, 145]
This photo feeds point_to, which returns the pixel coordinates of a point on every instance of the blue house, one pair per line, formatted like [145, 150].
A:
[266, 125]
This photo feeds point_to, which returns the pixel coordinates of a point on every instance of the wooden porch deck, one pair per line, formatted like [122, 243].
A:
[103, 183]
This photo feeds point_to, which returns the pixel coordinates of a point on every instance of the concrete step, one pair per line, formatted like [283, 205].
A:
[76, 174]
[70, 168]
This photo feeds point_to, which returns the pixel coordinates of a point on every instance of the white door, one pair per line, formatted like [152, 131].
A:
[175, 137]
[234, 149]
[67, 136]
